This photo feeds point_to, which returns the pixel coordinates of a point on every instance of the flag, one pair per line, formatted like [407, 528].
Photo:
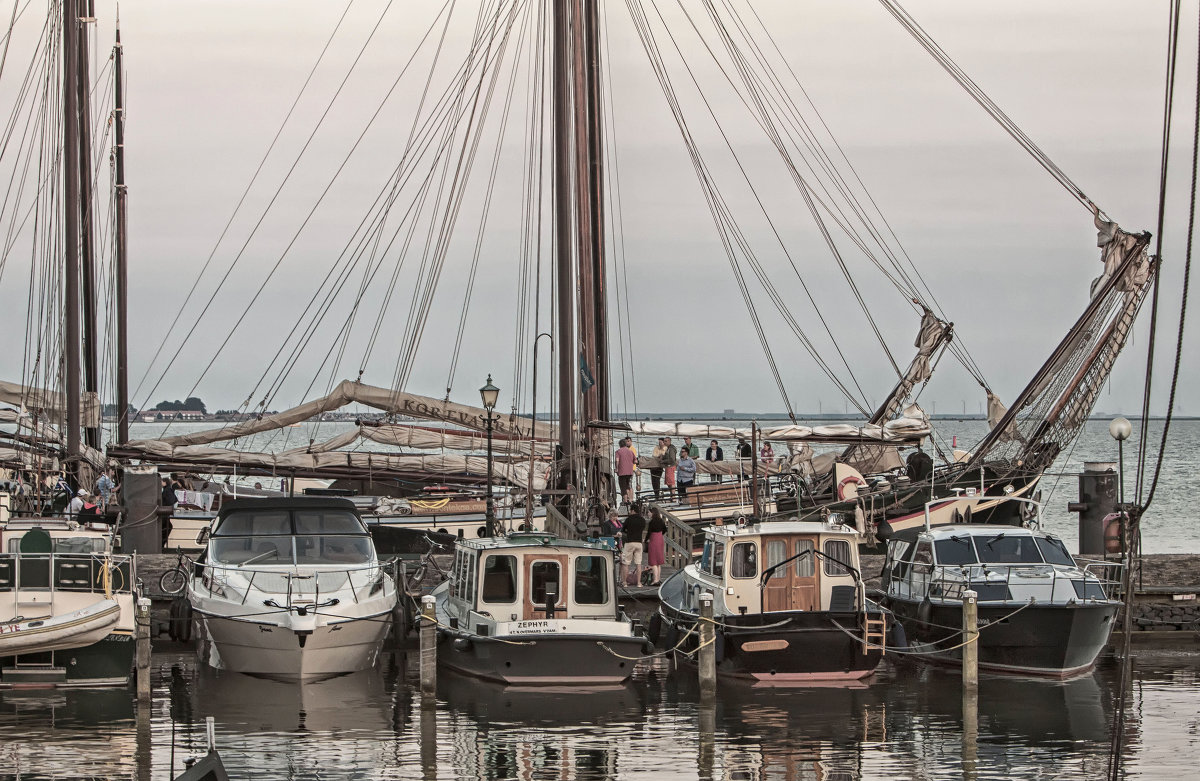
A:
[585, 376]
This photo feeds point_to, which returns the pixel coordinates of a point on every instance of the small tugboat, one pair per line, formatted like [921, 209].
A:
[1040, 611]
[290, 589]
[66, 605]
[533, 609]
[788, 601]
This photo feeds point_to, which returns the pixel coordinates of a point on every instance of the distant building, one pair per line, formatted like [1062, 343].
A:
[729, 411]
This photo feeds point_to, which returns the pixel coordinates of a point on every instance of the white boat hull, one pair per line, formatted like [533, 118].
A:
[76, 629]
[286, 652]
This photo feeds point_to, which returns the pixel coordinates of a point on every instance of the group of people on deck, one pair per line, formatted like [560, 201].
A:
[640, 538]
[677, 467]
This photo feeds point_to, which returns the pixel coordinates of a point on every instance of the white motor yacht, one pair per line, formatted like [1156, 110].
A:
[290, 589]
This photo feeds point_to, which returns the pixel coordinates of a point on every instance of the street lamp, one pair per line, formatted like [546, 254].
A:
[1120, 429]
[489, 393]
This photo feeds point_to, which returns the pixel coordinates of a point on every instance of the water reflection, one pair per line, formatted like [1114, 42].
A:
[907, 722]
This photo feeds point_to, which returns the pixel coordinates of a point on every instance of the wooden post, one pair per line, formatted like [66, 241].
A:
[970, 651]
[428, 646]
[708, 650]
[142, 635]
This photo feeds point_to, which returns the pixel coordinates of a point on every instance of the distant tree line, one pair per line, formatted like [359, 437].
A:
[190, 404]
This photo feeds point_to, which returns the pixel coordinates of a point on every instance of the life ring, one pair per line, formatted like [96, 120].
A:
[841, 489]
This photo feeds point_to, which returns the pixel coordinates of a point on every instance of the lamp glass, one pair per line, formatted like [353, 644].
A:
[490, 394]
[1120, 429]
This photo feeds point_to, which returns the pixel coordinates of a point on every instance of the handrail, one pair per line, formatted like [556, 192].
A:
[558, 525]
[292, 572]
[678, 539]
[950, 580]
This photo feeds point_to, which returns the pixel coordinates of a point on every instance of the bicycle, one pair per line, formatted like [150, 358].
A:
[413, 580]
[175, 579]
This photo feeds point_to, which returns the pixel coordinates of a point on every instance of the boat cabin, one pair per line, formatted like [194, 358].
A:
[532, 576]
[289, 532]
[778, 566]
[999, 563]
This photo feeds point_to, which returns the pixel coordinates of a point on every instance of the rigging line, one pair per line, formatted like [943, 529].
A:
[979, 96]
[773, 91]
[763, 277]
[660, 70]
[712, 198]
[617, 227]
[464, 165]
[805, 192]
[487, 203]
[1168, 110]
[308, 216]
[1187, 274]
[237, 207]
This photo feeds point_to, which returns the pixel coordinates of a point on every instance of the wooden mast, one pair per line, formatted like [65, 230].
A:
[122, 277]
[71, 344]
[564, 269]
[87, 251]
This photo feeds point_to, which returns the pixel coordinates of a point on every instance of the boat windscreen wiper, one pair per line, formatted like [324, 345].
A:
[999, 536]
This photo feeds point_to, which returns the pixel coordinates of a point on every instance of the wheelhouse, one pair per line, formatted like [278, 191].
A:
[527, 577]
[778, 567]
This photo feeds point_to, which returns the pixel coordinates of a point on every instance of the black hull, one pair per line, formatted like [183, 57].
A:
[108, 662]
[1054, 640]
[542, 660]
[808, 646]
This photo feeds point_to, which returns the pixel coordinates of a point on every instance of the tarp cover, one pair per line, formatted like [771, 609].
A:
[52, 404]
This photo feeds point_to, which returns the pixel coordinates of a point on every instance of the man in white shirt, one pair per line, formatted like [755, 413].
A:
[76, 504]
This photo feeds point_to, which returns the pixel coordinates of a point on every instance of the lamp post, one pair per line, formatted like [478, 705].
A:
[1120, 429]
[489, 393]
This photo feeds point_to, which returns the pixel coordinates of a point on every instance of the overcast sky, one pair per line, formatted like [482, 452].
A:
[1005, 250]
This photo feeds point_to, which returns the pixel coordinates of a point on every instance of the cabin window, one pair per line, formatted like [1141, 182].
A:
[895, 557]
[718, 558]
[922, 561]
[1005, 549]
[743, 560]
[259, 523]
[544, 577]
[591, 580]
[327, 522]
[955, 550]
[469, 562]
[252, 550]
[499, 579]
[837, 551]
[776, 551]
[1055, 552]
[806, 566]
[333, 549]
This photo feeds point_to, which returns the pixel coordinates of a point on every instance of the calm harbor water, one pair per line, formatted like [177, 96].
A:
[907, 722]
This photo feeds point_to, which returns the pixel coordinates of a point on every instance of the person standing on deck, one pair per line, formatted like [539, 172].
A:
[744, 453]
[687, 473]
[626, 461]
[669, 460]
[766, 454]
[692, 450]
[631, 552]
[715, 453]
[656, 472]
[104, 487]
[656, 544]
[76, 504]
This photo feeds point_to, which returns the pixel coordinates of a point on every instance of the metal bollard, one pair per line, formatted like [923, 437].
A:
[142, 650]
[708, 649]
[428, 646]
[970, 651]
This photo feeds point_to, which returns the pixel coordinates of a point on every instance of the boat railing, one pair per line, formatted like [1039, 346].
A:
[216, 580]
[558, 525]
[98, 573]
[994, 582]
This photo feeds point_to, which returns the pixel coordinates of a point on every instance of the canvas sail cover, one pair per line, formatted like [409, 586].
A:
[50, 404]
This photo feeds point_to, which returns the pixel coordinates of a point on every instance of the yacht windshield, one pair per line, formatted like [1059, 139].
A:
[955, 550]
[252, 550]
[1005, 549]
[1054, 551]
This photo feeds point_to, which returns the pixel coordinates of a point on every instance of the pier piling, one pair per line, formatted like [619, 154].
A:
[142, 650]
[970, 650]
[708, 649]
[428, 646]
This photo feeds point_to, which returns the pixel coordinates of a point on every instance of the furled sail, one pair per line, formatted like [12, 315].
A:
[52, 404]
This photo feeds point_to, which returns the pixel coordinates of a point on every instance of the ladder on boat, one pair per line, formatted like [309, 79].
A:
[874, 628]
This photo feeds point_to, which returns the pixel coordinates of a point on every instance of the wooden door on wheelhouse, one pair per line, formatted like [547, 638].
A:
[545, 576]
[796, 585]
